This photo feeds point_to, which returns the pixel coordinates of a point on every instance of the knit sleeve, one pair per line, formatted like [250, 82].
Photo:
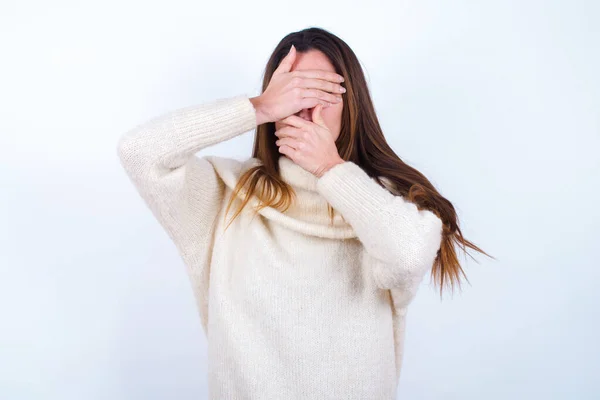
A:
[401, 242]
[181, 189]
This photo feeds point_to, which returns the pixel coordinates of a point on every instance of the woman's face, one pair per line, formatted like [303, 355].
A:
[332, 115]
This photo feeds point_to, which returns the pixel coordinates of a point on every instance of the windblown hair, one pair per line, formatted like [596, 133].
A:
[361, 141]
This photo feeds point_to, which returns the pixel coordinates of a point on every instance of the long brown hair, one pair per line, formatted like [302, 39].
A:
[361, 141]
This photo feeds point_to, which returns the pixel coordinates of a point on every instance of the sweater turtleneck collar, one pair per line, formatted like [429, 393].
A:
[308, 212]
[297, 176]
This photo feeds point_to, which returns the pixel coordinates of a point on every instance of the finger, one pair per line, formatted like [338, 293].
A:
[320, 74]
[286, 63]
[290, 142]
[288, 151]
[296, 121]
[312, 102]
[324, 85]
[317, 117]
[319, 94]
[288, 131]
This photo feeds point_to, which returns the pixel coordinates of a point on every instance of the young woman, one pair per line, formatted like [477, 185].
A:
[303, 289]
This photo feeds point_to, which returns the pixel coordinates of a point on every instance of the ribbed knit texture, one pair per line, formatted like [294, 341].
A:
[292, 306]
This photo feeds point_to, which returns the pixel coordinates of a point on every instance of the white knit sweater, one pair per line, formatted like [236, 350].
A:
[292, 307]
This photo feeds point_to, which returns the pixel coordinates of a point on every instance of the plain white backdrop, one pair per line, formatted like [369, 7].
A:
[496, 102]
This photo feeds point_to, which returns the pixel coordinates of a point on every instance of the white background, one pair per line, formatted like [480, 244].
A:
[496, 102]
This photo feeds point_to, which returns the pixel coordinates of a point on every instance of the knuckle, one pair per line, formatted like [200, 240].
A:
[296, 81]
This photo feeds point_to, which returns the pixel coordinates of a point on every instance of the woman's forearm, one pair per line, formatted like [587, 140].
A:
[403, 239]
[167, 141]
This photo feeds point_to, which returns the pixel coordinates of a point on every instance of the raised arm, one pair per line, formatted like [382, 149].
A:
[181, 189]
[159, 158]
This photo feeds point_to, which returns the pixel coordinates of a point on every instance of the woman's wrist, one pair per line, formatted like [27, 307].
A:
[330, 165]
[261, 117]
